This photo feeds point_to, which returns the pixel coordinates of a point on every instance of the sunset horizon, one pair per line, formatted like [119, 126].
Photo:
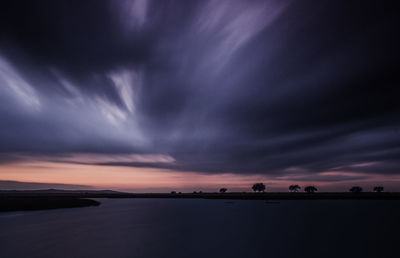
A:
[47, 175]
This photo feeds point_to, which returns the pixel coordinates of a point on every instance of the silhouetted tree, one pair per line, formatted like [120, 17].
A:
[310, 189]
[258, 187]
[378, 189]
[173, 192]
[356, 189]
[223, 190]
[294, 188]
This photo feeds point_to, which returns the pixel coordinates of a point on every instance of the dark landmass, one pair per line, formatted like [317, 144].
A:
[15, 200]
[31, 202]
[262, 196]
[232, 195]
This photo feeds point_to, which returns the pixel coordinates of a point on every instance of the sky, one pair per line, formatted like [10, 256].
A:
[153, 96]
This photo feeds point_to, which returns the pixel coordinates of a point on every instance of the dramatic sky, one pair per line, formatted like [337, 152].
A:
[145, 95]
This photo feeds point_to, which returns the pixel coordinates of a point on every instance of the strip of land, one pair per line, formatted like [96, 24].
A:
[29, 203]
[52, 199]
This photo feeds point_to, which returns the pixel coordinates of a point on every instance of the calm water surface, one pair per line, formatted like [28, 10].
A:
[205, 228]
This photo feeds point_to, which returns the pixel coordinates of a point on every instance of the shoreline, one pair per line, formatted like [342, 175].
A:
[55, 199]
[32, 203]
[205, 195]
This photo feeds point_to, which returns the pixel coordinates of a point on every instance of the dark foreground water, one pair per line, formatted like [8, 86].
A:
[205, 228]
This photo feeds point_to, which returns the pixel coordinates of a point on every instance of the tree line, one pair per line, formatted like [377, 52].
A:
[260, 187]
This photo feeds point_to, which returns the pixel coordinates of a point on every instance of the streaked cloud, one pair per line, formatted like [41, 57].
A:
[271, 89]
[13, 84]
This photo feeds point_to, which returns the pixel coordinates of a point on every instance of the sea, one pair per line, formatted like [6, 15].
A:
[206, 228]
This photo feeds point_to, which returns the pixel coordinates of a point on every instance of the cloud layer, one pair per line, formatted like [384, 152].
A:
[250, 87]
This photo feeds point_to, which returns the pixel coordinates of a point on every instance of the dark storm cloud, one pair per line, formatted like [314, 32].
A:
[266, 87]
[74, 35]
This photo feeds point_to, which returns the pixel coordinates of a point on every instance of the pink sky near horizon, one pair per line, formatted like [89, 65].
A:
[134, 179]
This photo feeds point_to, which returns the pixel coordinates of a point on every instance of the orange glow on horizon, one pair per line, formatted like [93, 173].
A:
[119, 177]
[134, 179]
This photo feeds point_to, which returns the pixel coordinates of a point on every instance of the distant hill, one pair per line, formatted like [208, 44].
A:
[60, 191]
[18, 185]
